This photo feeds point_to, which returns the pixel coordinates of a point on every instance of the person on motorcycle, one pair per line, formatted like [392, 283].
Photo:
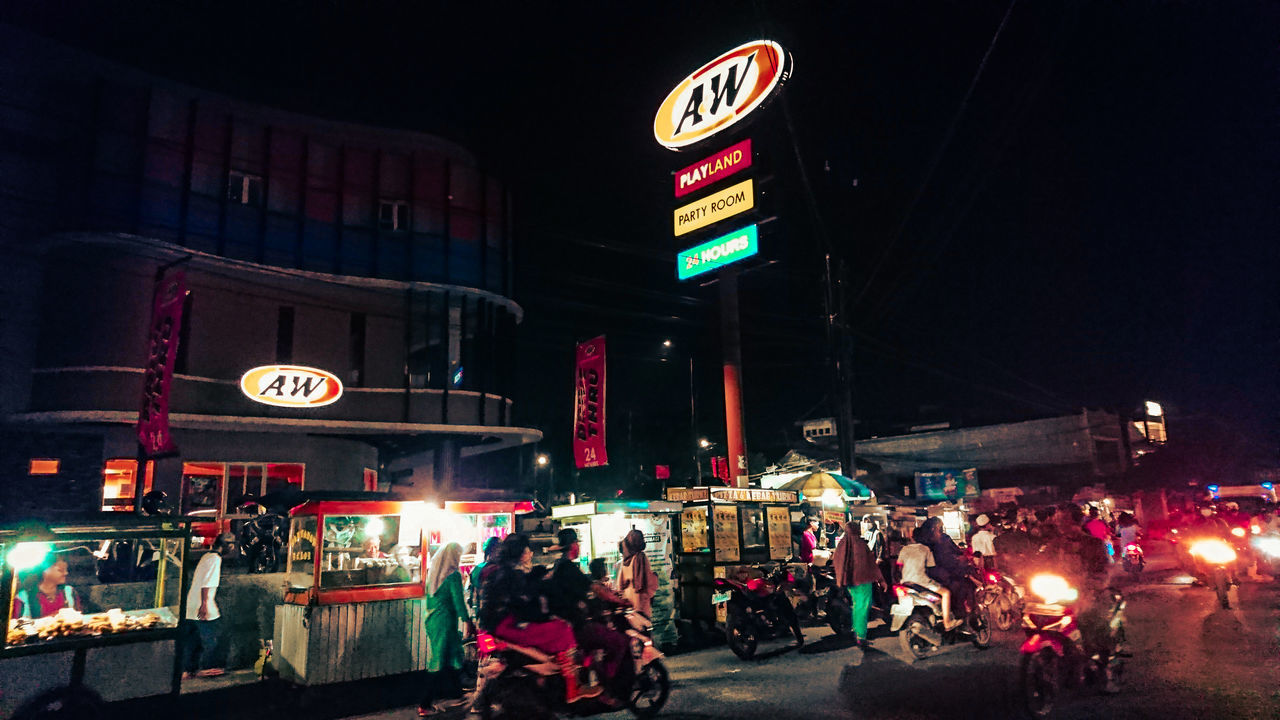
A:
[857, 572]
[1095, 526]
[916, 558]
[1082, 560]
[511, 610]
[951, 568]
[983, 542]
[1129, 529]
[1268, 522]
[568, 591]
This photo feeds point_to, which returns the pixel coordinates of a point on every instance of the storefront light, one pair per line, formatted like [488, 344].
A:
[27, 555]
[374, 526]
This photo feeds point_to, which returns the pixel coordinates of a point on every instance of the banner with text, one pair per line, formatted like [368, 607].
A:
[588, 405]
[947, 485]
[162, 351]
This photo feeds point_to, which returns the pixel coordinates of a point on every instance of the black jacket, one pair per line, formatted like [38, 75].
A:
[509, 591]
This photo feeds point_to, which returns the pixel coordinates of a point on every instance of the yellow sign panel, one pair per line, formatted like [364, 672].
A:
[731, 201]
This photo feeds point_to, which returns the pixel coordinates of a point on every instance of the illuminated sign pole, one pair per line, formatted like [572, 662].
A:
[713, 98]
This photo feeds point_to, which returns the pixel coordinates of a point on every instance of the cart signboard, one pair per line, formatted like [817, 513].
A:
[726, 534]
[779, 519]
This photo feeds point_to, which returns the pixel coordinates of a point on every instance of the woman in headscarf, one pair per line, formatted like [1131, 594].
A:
[856, 571]
[636, 580]
[445, 610]
[511, 608]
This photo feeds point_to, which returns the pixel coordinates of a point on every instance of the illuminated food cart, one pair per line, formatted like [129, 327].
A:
[470, 523]
[118, 640]
[726, 532]
[601, 527]
[353, 607]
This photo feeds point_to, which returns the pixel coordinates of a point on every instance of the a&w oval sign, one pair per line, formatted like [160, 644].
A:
[721, 93]
[291, 386]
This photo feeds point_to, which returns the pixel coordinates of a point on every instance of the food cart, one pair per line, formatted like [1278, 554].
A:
[353, 605]
[601, 527]
[118, 640]
[727, 532]
[470, 523]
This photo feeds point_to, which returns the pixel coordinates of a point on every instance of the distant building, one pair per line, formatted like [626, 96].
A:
[381, 256]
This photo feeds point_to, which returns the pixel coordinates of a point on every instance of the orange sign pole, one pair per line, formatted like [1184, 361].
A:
[731, 342]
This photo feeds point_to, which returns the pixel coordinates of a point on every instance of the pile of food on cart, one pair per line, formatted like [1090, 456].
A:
[68, 623]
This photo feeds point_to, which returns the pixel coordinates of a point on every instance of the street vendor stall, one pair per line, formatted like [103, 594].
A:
[353, 605]
[601, 527]
[470, 523]
[67, 631]
[726, 532]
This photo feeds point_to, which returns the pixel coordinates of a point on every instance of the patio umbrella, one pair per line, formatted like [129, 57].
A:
[819, 484]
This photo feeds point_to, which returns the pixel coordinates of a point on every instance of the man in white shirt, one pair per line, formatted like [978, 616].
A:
[915, 559]
[984, 541]
[203, 619]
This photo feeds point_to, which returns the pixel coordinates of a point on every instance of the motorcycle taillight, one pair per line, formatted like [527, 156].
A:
[900, 591]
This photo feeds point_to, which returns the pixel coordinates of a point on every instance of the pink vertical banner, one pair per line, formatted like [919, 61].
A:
[588, 405]
[162, 351]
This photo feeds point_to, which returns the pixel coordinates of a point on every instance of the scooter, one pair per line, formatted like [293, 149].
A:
[1133, 559]
[514, 681]
[1053, 655]
[1215, 561]
[1001, 598]
[917, 618]
[818, 598]
[757, 609]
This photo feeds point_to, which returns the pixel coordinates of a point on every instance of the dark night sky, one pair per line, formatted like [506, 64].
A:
[1100, 226]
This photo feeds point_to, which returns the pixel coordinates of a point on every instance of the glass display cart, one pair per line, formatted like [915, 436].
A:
[601, 527]
[726, 532]
[470, 523]
[69, 632]
[353, 605]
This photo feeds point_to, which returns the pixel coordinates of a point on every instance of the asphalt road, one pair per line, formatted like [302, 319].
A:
[1191, 660]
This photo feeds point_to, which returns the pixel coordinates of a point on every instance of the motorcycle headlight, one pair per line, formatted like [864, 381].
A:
[1213, 551]
[1270, 545]
[1238, 532]
[1053, 589]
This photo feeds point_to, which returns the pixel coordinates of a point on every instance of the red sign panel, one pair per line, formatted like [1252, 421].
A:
[162, 352]
[588, 405]
[715, 168]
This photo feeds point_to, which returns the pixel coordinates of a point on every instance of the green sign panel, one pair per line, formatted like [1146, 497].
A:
[715, 254]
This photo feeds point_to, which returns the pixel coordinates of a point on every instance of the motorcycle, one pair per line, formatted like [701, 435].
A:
[262, 539]
[520, 682]
[817, 598]
[757, 610]
[1215, 562]
[917, 618]
[1000, 598]
[1054, 656]
[1133, 559]
[1267, 547]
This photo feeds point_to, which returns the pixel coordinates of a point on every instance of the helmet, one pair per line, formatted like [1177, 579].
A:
[1206, 511]
[1233, 507]
[155, 503]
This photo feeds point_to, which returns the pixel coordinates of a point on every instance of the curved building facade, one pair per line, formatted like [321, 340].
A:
[381, 257]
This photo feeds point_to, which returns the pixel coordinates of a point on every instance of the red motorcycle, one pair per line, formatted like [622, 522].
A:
[757, 609]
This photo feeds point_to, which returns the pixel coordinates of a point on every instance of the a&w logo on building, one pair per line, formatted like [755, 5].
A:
[291, 386]
[721, 93]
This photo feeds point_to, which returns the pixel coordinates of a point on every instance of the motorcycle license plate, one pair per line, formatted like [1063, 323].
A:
[720, 597]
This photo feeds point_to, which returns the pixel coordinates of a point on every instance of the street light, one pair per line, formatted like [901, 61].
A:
[693, 414]
[543, 460]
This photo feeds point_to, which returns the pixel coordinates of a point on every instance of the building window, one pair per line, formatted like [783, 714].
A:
[284, 335]
[117, 484]
[244, 188]
[355, 376]
[393, 215]
[43, 466]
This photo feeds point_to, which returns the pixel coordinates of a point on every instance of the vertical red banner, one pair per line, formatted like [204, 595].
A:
[162, 351]
[588, 405]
